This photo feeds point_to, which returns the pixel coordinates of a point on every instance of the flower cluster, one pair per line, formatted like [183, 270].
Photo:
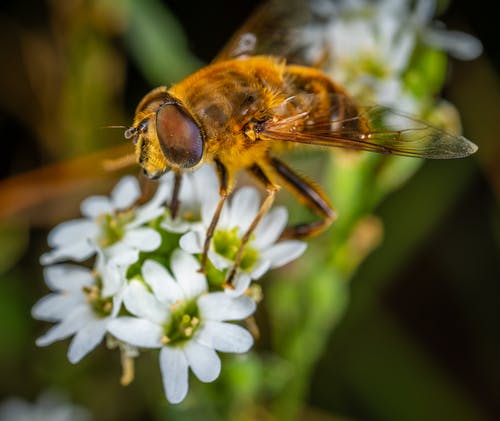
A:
[143, 289]
[49, 406]
[386, 51]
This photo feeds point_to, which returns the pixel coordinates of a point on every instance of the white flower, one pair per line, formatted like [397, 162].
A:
[372, 44]
[83, 303]
[179, 317]
[50, 406]
[109, 224]
[197, 188]
[262, 252]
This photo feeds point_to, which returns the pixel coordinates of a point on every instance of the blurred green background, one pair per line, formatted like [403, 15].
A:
[420, 335]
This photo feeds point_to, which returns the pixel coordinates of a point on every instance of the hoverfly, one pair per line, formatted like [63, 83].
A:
[264, 93]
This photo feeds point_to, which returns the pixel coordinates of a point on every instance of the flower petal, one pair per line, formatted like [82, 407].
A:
[174, 372]
[205, 184]
[125, 193]
[244, 207]
[68, 277]
[143, 304]
[219, 306]
[220, 262]
[136, 332]
[163, 285]
[271, 227]
[76, 320]
[225, 337]
[94, 206]
[185, 269]
[203, 360]
[261, 267]
[144, 239]
[282, 253]
[78, 251]
[241, 282]
[459, 44]
[55, 307]
[191, 242]
[121, 254]
[72, 231]
[86, 339]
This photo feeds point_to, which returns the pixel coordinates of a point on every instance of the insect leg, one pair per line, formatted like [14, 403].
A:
[271, 189]
[310, 195]
[174, 201]
[224, 189]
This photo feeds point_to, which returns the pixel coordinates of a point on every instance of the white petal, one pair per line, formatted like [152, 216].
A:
[113, 278]
[161, 282]
[244, 207]
[225, 337]
[401, 51]
[146, 215]
[204, 361]
[55, 307]
[121, 254]
[191, 242]
[208, 210]
[271, 227]
[185, 269]
[174, 371]
[144, 239]
[423, 12]
[282, 253]
[459, 44]
[241, 282]
[143, 304]
[125, 193]
[72, 231]
[205, 183]
[136, 332]
[219, 306]
[220, 262]
[153, 209]
[177, 225]
[86, 340]
[95, 206]
[261, 267]
[75, 321]
[78, 251]
[68, 277]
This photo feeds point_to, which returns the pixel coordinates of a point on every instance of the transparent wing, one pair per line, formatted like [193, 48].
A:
[291, 29]
[33, 195]
[369, 128]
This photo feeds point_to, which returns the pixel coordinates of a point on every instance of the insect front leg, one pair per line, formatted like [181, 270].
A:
[310, 195]
[224, 189]
[271, 189]
[174, 200]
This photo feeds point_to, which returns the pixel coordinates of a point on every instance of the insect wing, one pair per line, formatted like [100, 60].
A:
[369, 128]
[25, 195]
[291, 29]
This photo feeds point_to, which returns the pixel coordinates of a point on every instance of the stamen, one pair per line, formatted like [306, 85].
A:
[128, 368]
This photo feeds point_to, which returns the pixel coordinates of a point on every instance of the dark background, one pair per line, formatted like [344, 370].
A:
[421, 337]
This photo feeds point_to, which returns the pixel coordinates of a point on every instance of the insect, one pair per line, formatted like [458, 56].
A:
[265, 93]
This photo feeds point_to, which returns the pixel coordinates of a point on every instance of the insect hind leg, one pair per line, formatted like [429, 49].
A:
[224, 190]
[271, 190]
[310, 195]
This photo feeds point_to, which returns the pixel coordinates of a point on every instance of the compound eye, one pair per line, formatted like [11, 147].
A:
[180, 138]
